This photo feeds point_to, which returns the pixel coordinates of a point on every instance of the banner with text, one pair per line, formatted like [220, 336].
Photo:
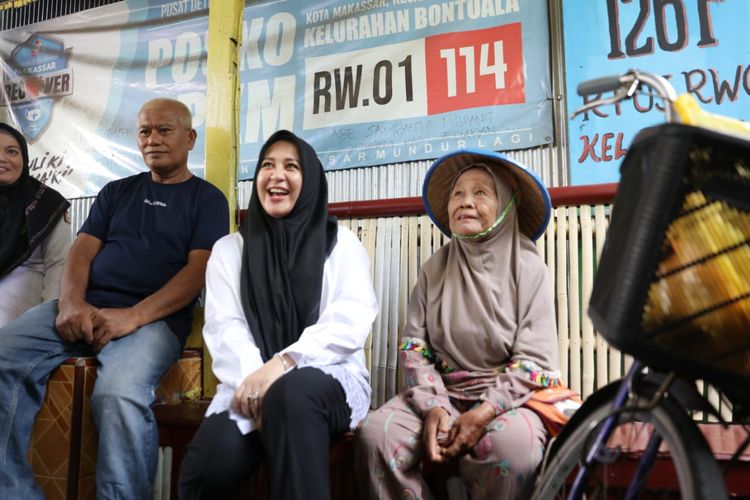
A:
[366, 83]
[700, 46]
[376, 81]
[74, 85]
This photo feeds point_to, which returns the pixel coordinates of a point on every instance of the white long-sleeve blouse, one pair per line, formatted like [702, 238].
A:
[37, 280]
[335, 344]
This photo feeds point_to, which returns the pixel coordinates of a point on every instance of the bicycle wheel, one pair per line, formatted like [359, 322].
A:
[685, 467]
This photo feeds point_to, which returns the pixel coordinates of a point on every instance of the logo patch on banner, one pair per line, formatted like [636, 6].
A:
[37, 76]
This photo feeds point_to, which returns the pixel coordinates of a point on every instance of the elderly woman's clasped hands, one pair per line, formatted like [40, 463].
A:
[445, 440]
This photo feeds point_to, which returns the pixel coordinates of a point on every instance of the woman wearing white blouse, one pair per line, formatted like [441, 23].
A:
[289, 305]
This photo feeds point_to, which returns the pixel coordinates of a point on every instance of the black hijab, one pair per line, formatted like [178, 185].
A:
[282, 259]
[29, 211]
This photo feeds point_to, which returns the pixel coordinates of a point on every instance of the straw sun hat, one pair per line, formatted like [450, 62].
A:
[532, 197]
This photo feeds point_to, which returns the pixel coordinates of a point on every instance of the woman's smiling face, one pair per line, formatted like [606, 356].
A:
[11, 159]
[279, 179]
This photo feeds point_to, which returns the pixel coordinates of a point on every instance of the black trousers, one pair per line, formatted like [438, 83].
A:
[301, 411]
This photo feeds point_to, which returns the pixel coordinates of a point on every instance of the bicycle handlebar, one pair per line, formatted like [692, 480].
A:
[624, 87]
[599, 85]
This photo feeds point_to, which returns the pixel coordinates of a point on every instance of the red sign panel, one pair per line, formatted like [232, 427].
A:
[475, 68]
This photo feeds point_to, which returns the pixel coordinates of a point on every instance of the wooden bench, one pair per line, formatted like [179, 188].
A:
[64, 442]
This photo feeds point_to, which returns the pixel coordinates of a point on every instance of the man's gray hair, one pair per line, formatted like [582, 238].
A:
[183, 112]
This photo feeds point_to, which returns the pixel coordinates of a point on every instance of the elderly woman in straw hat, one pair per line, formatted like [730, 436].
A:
[479, 339]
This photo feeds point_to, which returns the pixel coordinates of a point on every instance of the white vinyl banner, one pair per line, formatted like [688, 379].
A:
[74, 84]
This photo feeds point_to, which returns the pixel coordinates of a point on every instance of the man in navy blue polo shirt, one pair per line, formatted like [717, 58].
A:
[130, 282]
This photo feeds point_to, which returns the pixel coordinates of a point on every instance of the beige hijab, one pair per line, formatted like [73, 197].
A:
[480, 304]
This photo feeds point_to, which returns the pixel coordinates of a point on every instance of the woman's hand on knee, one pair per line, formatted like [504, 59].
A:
[437, 422]
[467, 429]
[248, 398]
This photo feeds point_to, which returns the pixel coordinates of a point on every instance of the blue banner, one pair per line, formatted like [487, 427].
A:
[700, 46]
[374, 82]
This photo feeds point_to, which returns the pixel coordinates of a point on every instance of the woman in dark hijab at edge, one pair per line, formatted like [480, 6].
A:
[289, 305]
[34, 231]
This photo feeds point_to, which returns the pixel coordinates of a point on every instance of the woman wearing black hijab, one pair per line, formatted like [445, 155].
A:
[289, 305]
[34, 232]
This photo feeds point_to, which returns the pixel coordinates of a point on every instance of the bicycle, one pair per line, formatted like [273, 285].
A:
[673, 291]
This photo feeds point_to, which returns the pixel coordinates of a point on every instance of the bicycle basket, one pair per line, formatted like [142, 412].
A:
[673, 283]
